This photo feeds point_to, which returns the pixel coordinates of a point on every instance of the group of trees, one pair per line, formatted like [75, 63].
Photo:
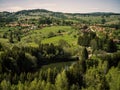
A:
[6, 19]
[25, 59]
[68, 79]
[85, 39]
[86, 74]
[13, 35]
[90, 39]
[53, 21]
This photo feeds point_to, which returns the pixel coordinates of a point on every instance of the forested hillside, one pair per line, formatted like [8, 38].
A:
[46, 50]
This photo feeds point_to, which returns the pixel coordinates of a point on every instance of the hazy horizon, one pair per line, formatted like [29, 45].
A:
[66, 6]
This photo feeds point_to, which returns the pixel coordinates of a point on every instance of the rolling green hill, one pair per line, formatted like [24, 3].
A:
[33, 16]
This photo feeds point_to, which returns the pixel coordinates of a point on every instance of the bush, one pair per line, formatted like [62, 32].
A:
[51, 34]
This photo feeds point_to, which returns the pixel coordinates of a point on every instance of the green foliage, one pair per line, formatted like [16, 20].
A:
[51, 34]
[111, 46]
[84, 54]
[75, 75]
[113, 77]
[61, 81]
[17, 61]
[94, 44]
[11, 37]
[74, 87]
[85, 39]
[1, 46]
[45, 21]
[112, 59]
[103, 21]
[50, 76]
[5, 85]
[96, 79]
[63, 43]
[92, 62]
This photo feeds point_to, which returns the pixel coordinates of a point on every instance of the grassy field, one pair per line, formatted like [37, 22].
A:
[55, 40]
[61, 32]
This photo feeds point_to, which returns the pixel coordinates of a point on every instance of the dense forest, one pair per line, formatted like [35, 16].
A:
[46, 50]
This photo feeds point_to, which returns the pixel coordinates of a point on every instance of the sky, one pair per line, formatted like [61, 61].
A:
[68, 6]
